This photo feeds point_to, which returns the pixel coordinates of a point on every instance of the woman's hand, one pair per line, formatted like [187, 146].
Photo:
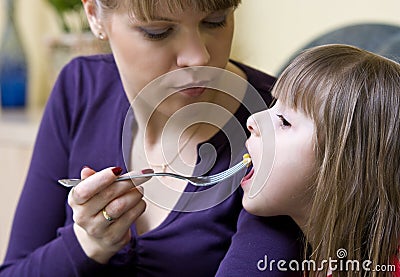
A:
[104, 210]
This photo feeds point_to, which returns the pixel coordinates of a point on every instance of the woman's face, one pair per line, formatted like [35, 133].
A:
[282, 190]
[145, 51]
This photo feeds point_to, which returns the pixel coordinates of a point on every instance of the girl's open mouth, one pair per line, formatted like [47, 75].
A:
[247, 177]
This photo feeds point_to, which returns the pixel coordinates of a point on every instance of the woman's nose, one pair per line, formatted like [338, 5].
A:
[193, 51]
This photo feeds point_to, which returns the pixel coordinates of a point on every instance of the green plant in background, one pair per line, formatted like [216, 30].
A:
[67, 7]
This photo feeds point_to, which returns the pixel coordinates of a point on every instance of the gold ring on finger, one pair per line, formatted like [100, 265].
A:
[107, 216]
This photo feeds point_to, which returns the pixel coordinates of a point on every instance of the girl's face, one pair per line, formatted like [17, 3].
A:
[146, 50]
[284, 189]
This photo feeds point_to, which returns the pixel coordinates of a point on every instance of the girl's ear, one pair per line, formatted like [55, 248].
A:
[93, 19]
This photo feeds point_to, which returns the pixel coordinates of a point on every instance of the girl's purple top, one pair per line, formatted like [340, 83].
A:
[82, 125]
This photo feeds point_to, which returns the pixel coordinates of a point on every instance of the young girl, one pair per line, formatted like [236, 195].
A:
[336, 169]
[97, 118]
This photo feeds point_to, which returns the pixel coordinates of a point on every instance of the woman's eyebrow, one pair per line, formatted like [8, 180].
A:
[161, 18]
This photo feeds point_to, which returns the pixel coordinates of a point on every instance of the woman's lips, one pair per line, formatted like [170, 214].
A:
[247, 177]
[192, 92]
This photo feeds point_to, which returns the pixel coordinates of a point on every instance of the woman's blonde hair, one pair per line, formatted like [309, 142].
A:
[353, 97]
[146, 10]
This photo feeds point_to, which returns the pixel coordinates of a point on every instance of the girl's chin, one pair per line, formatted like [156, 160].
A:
[251, 207]
[247, 205]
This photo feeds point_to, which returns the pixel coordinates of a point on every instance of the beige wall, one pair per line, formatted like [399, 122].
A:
[267, 31]
[36, 22]
[17, 133]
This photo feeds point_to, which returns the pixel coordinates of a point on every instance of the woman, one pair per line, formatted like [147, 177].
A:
[109, 228]
[337, 118]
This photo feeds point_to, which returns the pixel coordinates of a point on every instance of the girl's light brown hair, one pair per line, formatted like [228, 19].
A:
[146, 10]
[353, 97]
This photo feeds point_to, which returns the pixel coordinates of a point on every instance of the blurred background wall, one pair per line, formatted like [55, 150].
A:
[267, 34]
[36, 22]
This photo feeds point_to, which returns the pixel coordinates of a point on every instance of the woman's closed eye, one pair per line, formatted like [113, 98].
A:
[284, 122]
[156, 33]
[162, 33]
[165, 27]
[217, 19]
[215, 22]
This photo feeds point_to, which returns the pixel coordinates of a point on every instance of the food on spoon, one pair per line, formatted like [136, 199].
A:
[247, 159]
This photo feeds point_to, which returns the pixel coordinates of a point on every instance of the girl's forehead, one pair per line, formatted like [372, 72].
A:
[282, 107]
[295, 109]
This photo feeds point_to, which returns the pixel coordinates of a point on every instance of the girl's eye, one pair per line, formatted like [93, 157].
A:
[217, 22]
[284, 122]
[156, 34]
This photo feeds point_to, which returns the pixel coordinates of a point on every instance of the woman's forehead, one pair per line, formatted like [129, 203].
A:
[150, 9]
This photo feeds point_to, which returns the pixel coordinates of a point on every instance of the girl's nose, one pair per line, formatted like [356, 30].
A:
[252, 126]
[193, 51]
